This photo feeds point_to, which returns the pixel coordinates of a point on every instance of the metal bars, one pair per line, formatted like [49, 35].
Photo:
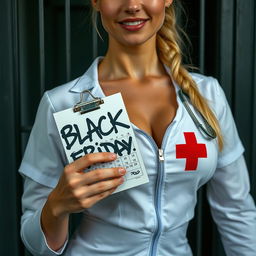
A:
[235, 38]
[41, 45]
[41, 13]
[9, 135]
[202, 37]
[199, 208]
[253, 149]
[95, 37]
[68, 39]
[244, 65]
[226, 59]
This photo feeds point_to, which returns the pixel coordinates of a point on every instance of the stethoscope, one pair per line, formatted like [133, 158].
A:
[206, 130]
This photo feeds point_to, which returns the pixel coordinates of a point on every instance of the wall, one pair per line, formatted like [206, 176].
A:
[44, 45]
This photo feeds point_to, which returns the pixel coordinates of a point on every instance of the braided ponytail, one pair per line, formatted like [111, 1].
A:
[168, 41]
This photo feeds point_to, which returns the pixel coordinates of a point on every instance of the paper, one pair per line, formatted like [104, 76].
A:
[107, 129]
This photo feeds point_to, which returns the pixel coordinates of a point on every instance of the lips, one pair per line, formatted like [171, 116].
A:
[133, 24]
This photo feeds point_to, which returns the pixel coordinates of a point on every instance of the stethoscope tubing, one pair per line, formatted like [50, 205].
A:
[208, 132]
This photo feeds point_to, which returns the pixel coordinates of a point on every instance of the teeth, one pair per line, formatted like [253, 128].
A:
[133, 23]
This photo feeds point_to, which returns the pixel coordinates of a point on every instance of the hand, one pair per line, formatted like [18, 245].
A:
[78, 190]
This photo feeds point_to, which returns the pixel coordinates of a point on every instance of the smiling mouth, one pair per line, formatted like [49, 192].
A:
[133, 23]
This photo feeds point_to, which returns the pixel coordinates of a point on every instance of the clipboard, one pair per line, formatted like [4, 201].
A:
[102, 125]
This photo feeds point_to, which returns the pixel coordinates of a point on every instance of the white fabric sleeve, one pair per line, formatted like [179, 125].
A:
[233, 147]
[44, 158]
[33, 200]
[233, 208]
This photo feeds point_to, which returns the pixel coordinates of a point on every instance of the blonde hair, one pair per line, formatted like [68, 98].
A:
[169, 52]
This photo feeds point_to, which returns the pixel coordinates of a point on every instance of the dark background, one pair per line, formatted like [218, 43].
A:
[45, 43]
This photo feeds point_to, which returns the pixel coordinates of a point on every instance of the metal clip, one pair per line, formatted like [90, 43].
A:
[84, 107]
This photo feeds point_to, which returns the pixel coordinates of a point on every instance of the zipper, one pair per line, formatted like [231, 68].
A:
[157, 202]
[158, 188]
[161, 154]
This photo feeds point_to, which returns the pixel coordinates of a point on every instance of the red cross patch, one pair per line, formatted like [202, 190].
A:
[191, 151]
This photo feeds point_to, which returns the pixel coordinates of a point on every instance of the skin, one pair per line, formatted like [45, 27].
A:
[131, 66]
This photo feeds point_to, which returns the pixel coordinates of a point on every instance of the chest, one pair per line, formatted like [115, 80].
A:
[188, 158]
[151, 105]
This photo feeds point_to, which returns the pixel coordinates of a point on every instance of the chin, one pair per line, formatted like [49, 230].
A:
[135, 41]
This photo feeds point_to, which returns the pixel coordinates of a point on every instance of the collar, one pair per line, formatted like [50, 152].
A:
[89, 79]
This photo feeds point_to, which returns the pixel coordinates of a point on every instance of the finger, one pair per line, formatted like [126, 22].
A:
[102, 174]
[103, 186]
[82, 163]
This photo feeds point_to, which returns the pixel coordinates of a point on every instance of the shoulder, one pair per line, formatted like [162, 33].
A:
[62, 97]
[56, 99]
[66, 95]
[212, 92]
[208, 86]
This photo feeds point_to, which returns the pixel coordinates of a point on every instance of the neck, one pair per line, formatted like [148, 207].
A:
[135, 62]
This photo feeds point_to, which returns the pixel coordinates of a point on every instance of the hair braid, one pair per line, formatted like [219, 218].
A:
[169, 51]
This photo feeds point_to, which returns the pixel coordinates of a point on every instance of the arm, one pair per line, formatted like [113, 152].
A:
[76, 191]
[233, 208]
[45, 231]
[53, 190]
[33, 199]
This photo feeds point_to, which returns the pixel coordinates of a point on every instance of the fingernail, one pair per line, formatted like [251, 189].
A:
[122, 171]
[112, 156]
[121, 180]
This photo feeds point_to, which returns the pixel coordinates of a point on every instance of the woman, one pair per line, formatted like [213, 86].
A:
[143, 62]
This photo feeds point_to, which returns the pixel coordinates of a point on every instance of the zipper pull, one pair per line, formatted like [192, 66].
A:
[161, 154]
